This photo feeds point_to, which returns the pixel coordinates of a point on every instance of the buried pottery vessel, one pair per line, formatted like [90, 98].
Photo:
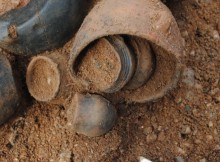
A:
[150, 21]
[41, 25]
[48, 79]
[91, 115]
[9, 98]
[106, 66]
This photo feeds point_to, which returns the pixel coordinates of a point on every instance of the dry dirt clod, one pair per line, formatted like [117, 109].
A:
[151, 138]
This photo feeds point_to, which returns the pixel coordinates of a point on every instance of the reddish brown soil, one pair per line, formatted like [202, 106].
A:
[7, 5]
[185, 123]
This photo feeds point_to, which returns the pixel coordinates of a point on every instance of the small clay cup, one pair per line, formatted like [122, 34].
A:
[48, 79]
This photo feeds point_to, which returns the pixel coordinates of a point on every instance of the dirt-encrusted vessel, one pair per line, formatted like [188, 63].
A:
[108, 46]
[48, 79]
[41, 25]
[91, 115]
[9, 97]
[144, 20]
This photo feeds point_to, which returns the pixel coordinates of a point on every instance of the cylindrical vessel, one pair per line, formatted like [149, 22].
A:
[144, 20]
[106, 66]
[9, 98]
[41, 25]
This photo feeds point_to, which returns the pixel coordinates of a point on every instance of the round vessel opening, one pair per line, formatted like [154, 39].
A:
[99, 66]
[43, 78]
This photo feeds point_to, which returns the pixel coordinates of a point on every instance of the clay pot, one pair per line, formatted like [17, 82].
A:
[124, 56]
[41, 25]
[148, 20]
[91, 115]
[9, 98]
[47, 78]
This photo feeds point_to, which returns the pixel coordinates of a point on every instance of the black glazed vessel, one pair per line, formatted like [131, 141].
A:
[41, 25]
[9, 98]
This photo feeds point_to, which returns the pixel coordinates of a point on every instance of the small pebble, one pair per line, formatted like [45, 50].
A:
[178, 100]
[180, 151]
[179, 159]
[209, 138]
[143, 159]
[210, 124]
[192, 53]
[186, 130]
[217, 98]
[197, 141]
[176, 120]
[148, 130]
[202, 160]
[15, 160]
[195, 112]
[185, 34]
[189, 77]
[198, 86]
[151, 138]
[215, 35]
[187, 108]
[195, 132]
[159, 128]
